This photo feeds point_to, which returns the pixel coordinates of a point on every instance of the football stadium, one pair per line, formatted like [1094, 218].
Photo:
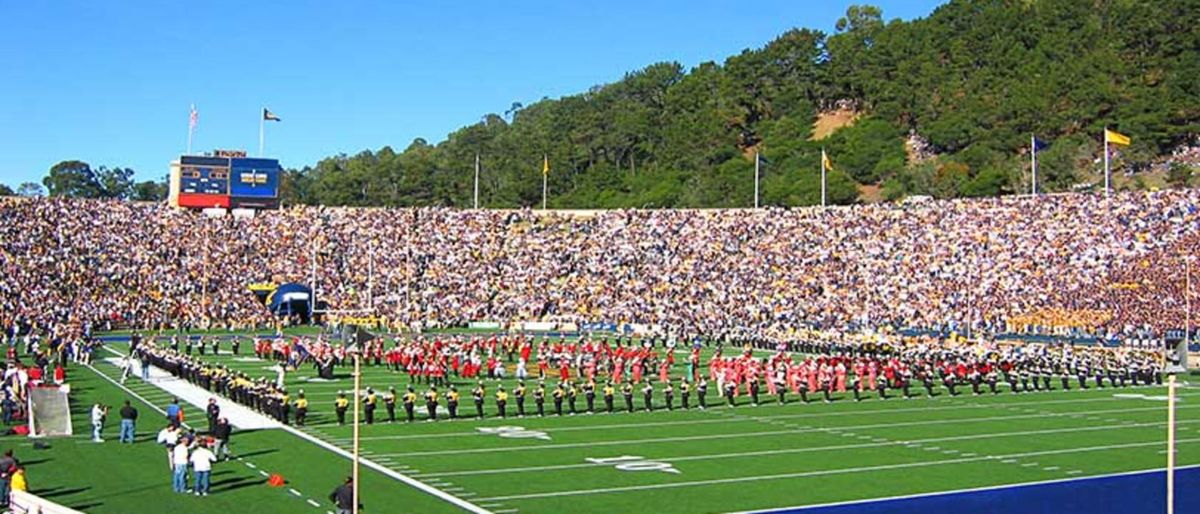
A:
[942, 262]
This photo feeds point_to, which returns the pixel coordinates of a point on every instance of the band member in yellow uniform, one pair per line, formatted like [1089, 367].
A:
[389, 403]
[608, 397]
[410, 400]
[452, 402]
[519, 394]
[478, 394]
[501, 401]
[301, 409]
[369, 406]
[339, 407]
[431, 403]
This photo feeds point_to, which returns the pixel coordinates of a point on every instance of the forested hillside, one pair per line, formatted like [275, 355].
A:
[967, 86]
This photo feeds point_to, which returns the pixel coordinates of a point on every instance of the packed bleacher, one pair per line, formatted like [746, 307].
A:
[1052, 263]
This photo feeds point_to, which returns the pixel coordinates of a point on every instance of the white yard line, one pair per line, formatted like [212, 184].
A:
[714, 456]
[522, 448]
[694, 483]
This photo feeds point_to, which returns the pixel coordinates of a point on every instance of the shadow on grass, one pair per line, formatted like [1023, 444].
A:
[236, 484]
[258, 452]
[55, 492]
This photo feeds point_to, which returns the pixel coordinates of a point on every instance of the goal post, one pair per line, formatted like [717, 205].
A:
[49, 411]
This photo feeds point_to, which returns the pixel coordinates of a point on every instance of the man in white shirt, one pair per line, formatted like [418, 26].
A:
[202, 460]
[98, 413]
[168, 437]
[179, 466]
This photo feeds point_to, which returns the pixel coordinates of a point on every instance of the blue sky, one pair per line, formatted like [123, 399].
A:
[110, 82]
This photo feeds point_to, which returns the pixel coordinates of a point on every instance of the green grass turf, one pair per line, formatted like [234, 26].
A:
[728, 459]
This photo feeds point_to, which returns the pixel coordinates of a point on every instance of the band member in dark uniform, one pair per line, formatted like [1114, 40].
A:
[608, 397]
[754, 392]
[369, 406]
[685, 391]
[452, 402]
[730, 390]
[477, 394]
[559, 393]
[502, 401]
[389, 403]
[669, 395]
[539, 398]
[702, 393]
[519, 395]
[410, 402]
[431, 403]
[572, 393]
[627, 392]
[589, 394]
[648, 397]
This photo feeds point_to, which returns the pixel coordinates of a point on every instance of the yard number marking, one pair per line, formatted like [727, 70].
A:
[634, 463]
[515, 432]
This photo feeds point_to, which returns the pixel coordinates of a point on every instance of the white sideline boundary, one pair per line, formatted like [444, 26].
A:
[238, 415]
[780, 510]
[842, 471]
[131, 392]
[685, 458]
[524, 448]
[458, 502]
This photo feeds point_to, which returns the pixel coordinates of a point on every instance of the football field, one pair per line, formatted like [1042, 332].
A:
[743, 458]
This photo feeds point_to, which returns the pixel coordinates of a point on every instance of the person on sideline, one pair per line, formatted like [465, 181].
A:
[99, 412]
[179, 466]
[128, 423]
[202, 460]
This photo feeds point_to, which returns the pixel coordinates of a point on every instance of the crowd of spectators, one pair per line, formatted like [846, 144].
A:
[1076, 262]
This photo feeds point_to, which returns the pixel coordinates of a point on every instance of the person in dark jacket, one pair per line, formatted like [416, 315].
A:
[128, 421]
[220, 433]
[343, 497]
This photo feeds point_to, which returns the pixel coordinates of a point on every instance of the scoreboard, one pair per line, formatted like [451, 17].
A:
[226, 179]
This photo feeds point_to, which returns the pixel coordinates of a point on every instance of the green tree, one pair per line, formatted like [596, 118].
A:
[30, 189]
[73, 179]
[149, 191]
[5, 190]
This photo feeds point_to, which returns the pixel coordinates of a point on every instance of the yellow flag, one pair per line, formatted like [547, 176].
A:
[825, 161]
[1115, 138]
[545, 165]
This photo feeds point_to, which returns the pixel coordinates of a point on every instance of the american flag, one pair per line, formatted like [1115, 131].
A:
[194, 118]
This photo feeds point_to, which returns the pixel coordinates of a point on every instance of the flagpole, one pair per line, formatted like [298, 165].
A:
[191, 127]
[545, 174]
[476, 204]
[823, 177]
[262, 123]
[756, 165]
[1033, 161]
[1106, 185]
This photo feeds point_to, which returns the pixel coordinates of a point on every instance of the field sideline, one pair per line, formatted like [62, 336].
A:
[747, 458]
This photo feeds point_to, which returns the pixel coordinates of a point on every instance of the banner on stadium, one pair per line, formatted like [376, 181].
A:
[598, 327]
[538, 326]
[484, 325]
